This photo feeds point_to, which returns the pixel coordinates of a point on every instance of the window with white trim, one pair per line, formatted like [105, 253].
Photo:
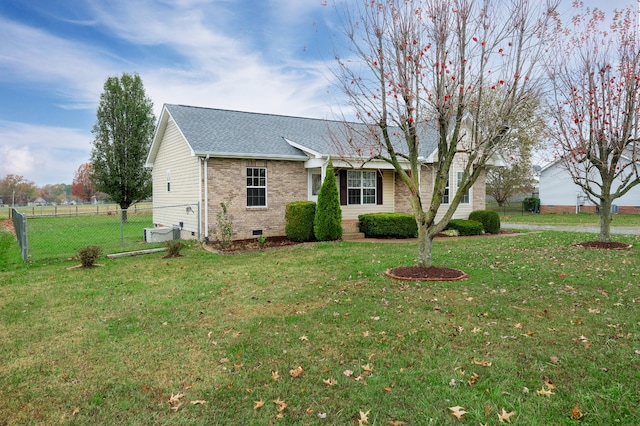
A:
[465, 198]
[256, 187]
[361, 187]
[445, 194]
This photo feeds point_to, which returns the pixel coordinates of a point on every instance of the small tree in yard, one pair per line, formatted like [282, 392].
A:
[596, 106]
[327, 224]
[123, 131]
[431, 63]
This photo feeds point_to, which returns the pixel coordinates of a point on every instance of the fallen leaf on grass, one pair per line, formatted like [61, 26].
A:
[482, 363]
[348, 373]
[224, 360]
[457, 412]
[554, 359]
[504, 416]
[303, 338]
[367, 369]
[296, 372]
[322, 415]
[199, 402]
[576, 414]
[281, 405]
[275, 375]
[330, 381]
[75, 411]
[473, 379]
[258, 404]
[175, 398]
[544, 392]
[397, 423]
[364, 418]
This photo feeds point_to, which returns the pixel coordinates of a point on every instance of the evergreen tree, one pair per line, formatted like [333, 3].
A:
[327, 225]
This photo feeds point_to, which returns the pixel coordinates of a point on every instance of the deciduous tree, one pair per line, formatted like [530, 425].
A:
[82, 186]
[596, 105]
[123, 131]
[15, 189]
[421, 63]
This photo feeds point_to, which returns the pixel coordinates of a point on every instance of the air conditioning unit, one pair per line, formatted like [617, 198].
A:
[158, 235]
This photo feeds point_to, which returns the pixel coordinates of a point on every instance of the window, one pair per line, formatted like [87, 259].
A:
[361, 187]
[316, 183]
[465, 198]
[445, 195]
[256, 187]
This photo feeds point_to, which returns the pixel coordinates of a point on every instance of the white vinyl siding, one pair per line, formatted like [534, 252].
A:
[175, 181]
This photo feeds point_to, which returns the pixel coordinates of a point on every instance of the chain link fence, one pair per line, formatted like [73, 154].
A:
[53, 233]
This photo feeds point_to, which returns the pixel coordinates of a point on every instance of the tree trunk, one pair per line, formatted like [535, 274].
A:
[123, 214]
[605, 220]
[425, 241]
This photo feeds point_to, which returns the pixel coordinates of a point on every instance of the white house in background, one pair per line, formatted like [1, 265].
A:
[559, 194]
[257, 163]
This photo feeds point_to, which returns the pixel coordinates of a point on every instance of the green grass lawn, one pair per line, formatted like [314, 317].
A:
[541, 329]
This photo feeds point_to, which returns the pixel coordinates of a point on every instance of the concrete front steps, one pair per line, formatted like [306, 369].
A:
[350, 230]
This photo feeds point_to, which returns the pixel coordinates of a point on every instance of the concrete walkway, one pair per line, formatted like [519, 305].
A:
[633, 230]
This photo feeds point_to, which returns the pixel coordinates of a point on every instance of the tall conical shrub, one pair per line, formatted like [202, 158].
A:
[327, 225]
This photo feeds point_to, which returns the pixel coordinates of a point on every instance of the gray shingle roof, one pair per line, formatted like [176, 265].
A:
[224, 133]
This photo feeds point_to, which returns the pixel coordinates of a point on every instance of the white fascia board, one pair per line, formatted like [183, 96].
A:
[363, 163]
[308, 151]
[251, 156]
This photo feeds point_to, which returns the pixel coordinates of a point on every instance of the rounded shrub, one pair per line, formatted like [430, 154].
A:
[299, 217]
[466, 227]
[88, 255]
[173, 248]
[490, 220]
[388, 225]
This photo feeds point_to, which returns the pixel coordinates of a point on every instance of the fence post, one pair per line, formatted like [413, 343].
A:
[20, 225]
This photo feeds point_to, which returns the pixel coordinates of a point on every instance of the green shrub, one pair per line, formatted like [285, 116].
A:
[531, 204]
[173, 248]
[465, 227]
[490, 220]
[88, 255]
[388, 225]
[327, 223]
[299, 217]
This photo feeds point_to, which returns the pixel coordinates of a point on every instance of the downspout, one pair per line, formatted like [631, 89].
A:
[206, 195]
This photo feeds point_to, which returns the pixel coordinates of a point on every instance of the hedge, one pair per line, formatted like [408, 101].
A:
[388, 225]
[465, 227]
[299, 216]
[490, 220]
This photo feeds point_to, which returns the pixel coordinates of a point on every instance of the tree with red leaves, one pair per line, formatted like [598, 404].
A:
[416, 64]
[595, 124]
[82, 187]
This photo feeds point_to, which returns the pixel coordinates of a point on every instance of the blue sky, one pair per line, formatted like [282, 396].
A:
[252, 55]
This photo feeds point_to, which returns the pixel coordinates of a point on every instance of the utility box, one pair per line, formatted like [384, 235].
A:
[158, 235]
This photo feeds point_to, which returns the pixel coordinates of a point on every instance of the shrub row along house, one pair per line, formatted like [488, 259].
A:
[257, 163]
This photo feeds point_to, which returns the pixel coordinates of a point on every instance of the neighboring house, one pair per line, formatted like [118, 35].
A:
[257, 163]
[41, 201]
[559, 194]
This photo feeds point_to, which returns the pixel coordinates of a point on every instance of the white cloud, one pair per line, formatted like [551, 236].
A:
[43, 154]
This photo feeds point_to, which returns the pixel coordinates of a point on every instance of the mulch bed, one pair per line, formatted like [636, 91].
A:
[420, 273]
[251, 244]
[599, 245]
